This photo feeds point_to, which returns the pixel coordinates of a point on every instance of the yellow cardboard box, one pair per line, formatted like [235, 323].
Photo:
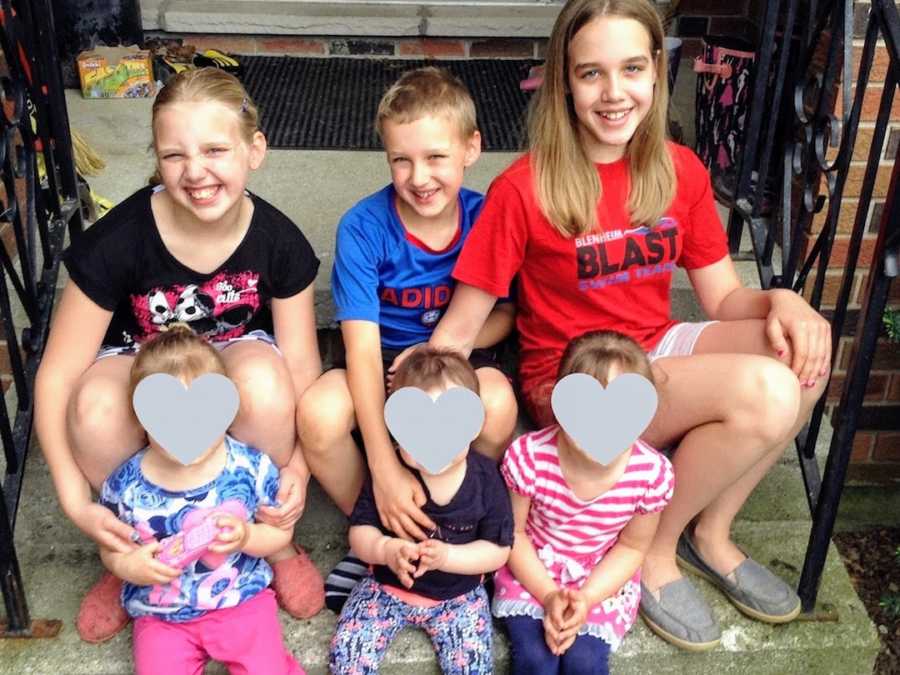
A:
[116, 72]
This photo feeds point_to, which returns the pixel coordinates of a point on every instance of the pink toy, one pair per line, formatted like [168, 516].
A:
[198, 532]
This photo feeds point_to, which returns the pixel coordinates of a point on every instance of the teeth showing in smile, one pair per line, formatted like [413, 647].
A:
[204, 193]
[613, 116]
[424, 195]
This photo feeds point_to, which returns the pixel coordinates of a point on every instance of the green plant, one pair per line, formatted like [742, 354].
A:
[890, 602]
[891, 321]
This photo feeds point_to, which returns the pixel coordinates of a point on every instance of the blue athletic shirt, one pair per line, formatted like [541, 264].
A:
[381, 276]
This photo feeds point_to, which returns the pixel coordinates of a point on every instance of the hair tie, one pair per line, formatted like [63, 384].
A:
[245, 105]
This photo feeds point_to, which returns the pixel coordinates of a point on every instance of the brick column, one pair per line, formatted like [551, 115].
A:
[878, 439]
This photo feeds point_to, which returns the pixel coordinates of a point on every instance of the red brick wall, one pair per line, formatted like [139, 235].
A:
[881, 443]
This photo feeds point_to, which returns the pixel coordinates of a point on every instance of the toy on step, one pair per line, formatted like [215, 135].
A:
[198, 533]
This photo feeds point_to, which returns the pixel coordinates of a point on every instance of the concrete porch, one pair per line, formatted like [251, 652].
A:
[314, 188]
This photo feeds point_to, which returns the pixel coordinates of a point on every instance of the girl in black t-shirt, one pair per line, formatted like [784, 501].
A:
[197, 249]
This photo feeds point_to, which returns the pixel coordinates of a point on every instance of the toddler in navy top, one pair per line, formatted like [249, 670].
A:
[435, 583]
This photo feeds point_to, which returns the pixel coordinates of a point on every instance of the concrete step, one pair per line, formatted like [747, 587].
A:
[59, 565]
[383, 19]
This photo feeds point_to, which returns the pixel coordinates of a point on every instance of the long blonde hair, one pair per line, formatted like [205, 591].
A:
[566, 181]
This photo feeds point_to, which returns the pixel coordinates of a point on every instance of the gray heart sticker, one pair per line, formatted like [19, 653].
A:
[433, 432]
[604, 422]
[185, 421]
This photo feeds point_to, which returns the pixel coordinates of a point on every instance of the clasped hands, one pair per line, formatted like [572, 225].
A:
[409, 560]
[565, 612]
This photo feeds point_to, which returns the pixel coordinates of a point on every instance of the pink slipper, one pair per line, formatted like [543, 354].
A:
[298, 585]
[101, 615]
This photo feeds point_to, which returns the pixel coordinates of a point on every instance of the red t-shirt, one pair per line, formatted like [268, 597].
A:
[617, 277]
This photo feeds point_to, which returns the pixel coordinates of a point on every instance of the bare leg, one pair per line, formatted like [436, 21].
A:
[102, 428]
[325, 418]
[730, 410]
[265, 419]
[500, 411]
[713, 526]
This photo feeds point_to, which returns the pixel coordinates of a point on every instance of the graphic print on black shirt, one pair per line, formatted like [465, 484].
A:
[218, 309]
[124, 267]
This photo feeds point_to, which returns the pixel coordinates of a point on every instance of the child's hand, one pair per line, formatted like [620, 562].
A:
[399, 499]
[291, 500]
[555, 606]
[400, 556]
[141, 567]
[400, 358]
[432, 556]
[573, 619]
[101, 525]
[233, 537]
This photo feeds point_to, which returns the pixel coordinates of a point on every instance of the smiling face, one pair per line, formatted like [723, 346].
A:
[611, 77]
[203, 160]
[428, 159]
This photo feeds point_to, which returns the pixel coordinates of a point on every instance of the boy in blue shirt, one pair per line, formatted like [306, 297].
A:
[392, 281]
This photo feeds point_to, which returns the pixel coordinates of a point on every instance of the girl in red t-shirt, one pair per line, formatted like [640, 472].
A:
[593, 220]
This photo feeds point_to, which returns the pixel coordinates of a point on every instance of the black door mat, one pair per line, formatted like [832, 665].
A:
[330, 103]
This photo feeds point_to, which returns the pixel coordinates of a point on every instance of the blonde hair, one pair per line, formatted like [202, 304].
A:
[429, 367]
[178, 352]
[427, 91]
[593, 353]
[566, 181]
[207, 85]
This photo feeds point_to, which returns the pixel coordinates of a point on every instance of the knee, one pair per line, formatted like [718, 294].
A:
[323, 417]
[98, 407]
[266, 391]
[497, 397]
[771, 400]
[587, 656]
[528, 649]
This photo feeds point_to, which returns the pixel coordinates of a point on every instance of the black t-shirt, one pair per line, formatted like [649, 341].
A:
[122, 264]
[480, 509]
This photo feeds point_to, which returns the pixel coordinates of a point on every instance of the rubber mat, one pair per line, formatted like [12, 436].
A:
[330, 104]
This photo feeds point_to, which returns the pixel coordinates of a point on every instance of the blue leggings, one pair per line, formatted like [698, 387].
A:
[530, 655]
[459, 628]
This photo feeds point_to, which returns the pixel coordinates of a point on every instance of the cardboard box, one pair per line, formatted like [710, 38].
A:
[116, 72]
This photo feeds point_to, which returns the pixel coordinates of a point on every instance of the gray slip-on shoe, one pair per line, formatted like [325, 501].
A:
[755, 591]
[680, 616]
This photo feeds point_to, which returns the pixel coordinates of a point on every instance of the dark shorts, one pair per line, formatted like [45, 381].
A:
[479, 358]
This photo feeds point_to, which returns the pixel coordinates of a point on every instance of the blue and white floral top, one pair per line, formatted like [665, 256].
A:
[249, 477]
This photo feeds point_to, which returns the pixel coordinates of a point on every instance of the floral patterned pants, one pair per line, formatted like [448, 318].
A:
[459, 628]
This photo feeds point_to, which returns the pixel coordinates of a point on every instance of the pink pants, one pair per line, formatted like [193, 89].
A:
[246, 638]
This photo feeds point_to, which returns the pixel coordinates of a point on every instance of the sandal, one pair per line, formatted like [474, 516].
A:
[298, 585]
[754, 590]
[213, 58]
[101, 615]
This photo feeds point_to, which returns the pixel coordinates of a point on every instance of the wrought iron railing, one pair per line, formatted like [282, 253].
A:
[801, 76]
[40, 201]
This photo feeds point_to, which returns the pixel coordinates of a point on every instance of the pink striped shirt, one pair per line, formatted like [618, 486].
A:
[574, 527]
[571, 535]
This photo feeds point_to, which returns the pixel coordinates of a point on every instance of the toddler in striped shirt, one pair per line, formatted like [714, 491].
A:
[571, 588]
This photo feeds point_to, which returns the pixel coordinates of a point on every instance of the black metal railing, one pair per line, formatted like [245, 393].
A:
[40, 202]
[801, 157]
